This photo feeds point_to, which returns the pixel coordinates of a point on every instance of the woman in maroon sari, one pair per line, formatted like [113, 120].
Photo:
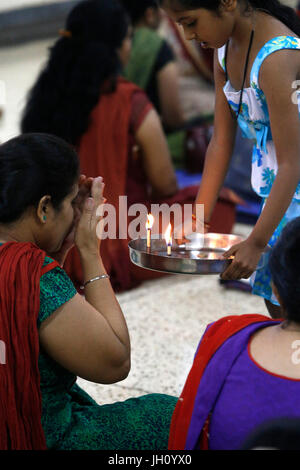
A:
[81, 98]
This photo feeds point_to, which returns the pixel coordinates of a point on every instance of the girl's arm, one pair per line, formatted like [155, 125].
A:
[220, 149]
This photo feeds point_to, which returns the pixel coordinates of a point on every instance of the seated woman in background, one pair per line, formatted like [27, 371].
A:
[246, 370]
[49, 333]
[81, 98]
[152, 64]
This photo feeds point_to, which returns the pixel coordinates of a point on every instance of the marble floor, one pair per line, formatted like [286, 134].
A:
[165, 317]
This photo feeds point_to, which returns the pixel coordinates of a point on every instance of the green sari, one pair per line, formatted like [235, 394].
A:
[146, 45]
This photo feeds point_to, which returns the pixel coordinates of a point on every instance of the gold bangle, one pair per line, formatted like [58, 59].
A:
[104, 276]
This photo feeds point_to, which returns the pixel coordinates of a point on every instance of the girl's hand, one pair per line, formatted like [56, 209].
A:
[246, 257]
[184, 233]
[86, 238]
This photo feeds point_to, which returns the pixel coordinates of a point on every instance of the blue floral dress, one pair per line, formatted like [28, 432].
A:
[254, 121]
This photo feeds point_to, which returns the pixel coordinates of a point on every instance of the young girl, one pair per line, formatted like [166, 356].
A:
[256, 88]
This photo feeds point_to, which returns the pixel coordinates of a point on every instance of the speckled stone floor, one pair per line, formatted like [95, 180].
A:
[165, 317]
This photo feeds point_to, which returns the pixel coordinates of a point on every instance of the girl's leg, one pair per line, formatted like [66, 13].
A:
[274, 310]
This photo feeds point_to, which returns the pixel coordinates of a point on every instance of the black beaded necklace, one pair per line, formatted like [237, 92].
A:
[245, 73]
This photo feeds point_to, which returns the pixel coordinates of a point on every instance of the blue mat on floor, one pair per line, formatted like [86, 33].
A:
[246, 214]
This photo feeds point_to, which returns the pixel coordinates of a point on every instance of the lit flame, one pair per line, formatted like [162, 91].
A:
[168, 235]
[150, 222]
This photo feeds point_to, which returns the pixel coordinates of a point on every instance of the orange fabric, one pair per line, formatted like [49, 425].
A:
[20, 396]
[218, 333]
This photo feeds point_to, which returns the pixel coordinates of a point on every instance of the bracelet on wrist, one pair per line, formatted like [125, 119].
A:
[103, 276]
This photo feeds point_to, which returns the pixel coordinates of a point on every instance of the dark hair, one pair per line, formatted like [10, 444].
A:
[274, 8]
[137, 8]
[80, 67]
[285, 269]
[33, 166]
[280, 434]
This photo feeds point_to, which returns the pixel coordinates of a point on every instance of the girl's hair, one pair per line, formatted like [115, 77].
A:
[32, 166]
[82, 64]
[274, 8]
[285, 269]
[137, 8]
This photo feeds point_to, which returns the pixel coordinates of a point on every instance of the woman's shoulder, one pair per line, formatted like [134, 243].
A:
[277, 43]
[237, 322]
[131, 92]
[140, 107]
[217, 333]
[127, 87]
[56, 288]
[266, 62]
[275, 352]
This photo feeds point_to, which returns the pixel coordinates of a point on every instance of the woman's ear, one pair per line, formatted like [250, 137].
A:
[43, 209]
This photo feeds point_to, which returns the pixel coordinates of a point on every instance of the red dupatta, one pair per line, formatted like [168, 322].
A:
[213, 339]
[21, 267]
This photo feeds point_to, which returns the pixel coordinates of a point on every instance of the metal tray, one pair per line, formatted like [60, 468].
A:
[186, 258]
